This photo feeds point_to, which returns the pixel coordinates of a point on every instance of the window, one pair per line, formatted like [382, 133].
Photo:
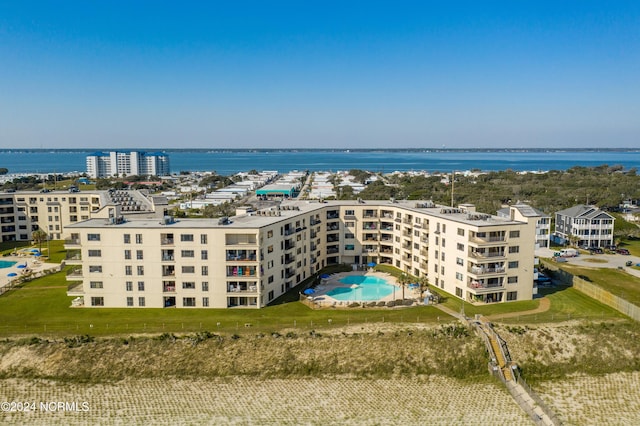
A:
[512, 280]
[437, 240]
[459, 276]
[127, 238]
[442, 270]
[138, 238]
[269, 234]
[205, 302]
[459, 261]
[349, 236]
[97, 301]
[444, 228]
[514, 234]
[187, 253]
[458, 292]
[349, 247]
[514, 249]
[461, 232]
[188, 269]
[204, 254]
[513, 264]
[512, 295]
[128, 270]
[203, 238]
[270, 295]
[270, 280]
[443, 242]
[270, 264]
[460, 246]
[189, 301]
[139, 255]
[95, 284]
[127, 254]
[186, 237]
[140, 285]
[141, 301]
[205, 285]
[129, 301]
[128, 286]
[204, 270]
[270, 249]
[95, 253]
[442, 256]
[188, 285]
[349, 213]
[350, 224]
[95, 268]
[140, 270]
[93, 237]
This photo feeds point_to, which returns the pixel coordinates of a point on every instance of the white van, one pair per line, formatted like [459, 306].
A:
[568, 252]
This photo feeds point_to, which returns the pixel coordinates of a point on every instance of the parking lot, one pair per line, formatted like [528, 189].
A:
[597, 260]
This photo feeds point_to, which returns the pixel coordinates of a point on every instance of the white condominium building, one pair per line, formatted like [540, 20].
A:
[116, 163]
[251, 259]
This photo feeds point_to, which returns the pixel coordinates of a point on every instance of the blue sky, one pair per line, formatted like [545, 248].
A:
[285, 74]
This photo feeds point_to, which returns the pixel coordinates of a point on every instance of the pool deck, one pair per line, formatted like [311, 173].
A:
[322, 299]
[33, 266]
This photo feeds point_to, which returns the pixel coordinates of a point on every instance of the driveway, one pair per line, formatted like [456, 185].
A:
[597, 260]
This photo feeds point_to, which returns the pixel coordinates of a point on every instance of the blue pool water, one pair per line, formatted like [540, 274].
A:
[368, 288]
[6, 264]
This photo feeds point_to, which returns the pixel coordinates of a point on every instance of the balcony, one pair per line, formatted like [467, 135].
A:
[481, 286]
[370, 214]
[333, 227]
[166, 241]
[75, 274]
[289, 273]
[487, 270]
[332, 250]
[289, 245]
[240, 271]
[167, 255]
[289, 259]
[370, 249]
[242, 288]
[75, 289]
[70, 243]
[487, 254]
[492, 238]
[333, 238]
[371, 226]
[333, 215]
[169, 287]
[406, 246]
[241, 255]
[314, 222]
[168, 271]
[73, 257]
[386, 226]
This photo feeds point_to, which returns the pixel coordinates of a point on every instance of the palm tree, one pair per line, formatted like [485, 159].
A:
[403, 280]
[39, 236]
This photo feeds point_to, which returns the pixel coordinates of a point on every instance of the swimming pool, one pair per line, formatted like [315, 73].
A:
[6, 264]
[362, 288]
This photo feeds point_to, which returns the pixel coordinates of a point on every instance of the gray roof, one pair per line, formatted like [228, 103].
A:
[584, 211]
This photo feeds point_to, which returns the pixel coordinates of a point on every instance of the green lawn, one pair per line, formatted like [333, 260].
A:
[42, 307]
[616, 281]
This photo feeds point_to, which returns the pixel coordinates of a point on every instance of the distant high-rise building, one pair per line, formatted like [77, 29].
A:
[100, 164]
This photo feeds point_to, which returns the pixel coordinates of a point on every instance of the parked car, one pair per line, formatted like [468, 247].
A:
[628, 263]
[612, 248]
[623, 251]
[596, 250]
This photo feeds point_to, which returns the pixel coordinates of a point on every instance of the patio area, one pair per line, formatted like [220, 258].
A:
[26, 267]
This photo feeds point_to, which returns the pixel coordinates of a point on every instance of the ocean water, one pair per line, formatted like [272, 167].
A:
[233, 161]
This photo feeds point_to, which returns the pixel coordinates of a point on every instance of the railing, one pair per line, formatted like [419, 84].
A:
[169, 289]
[481, 255]
[75, 274]
[487, 240]
[481, 286]
[166, 241]
[482, 271]
[72, 241]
